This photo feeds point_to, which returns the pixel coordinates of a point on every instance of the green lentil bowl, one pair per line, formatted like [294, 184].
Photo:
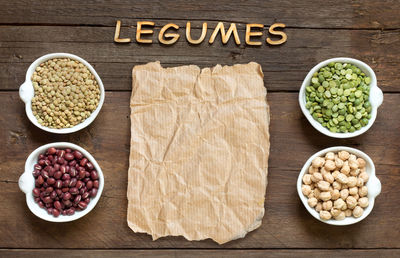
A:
[342, 119]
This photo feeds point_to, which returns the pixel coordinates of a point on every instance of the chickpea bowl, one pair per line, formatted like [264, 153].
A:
[340, 97]
[62, 93]
[338, 185]
[57, 182]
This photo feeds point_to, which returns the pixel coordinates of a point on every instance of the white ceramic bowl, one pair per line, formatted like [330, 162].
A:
[375, 97]
[27, 183]
[373, 184]
[26, 93]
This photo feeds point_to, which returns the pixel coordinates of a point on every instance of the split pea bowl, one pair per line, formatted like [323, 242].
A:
[375, 96]
[27, 92]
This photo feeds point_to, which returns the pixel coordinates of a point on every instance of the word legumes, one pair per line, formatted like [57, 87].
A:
[66, 93]
[335, 186]
[338, 97]
[65, 180]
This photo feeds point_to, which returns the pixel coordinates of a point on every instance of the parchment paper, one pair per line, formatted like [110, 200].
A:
[199, 151]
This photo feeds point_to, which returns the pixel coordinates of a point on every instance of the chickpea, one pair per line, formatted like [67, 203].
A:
[330, 156]
[345, 169]
[311, 194]
[330, 165]
[335, 194]
[312, 170]
[325, 196]
[335, 212]
[351, 202]
[363, 191]
[318, 162]
[362, 202]
[356, 196]
[338, 204]
[312, 186]
[353, 164]
[343, 155]
[353, 190]
[352, 181]
[328, 177]
[323, 185]
[352, 157]
[307, 179]
[339, 163]
[361, 162]
[323, 171]
[342, 178]
[341, 216]
[317, 192]
[348, 212]
[337, 185]
[318, 207]
[355, 172]
[306, 189]
[328, 205]
[316, 177]
[358, 212]
[364, 176]
[344, 207]
[335, 174]
[360, 182]
[345, 186]
[312, 202]
[325, 215]
[344, 194]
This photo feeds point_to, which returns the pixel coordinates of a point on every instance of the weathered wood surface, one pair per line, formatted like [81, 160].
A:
[284, 66]
[286, 223]
[368, 30]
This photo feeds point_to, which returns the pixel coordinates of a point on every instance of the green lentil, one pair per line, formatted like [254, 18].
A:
[66, 93]
[338, 97]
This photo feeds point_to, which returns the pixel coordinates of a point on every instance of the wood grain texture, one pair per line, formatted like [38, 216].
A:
[286, 223]
[284, 66]
[312, 13]
[269, 253]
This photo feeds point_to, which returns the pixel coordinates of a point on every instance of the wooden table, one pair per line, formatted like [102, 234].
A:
[368, 30]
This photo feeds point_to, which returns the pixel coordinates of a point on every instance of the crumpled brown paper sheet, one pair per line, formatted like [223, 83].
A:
[199, 151]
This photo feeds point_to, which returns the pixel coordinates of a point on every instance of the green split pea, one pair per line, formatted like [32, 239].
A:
[338, 97]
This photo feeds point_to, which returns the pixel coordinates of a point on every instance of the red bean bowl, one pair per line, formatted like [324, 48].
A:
[27, 183]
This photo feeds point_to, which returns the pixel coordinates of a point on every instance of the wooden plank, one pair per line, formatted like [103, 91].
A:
[286, 223]
[68, 253]
[313, 13]
[284, 66]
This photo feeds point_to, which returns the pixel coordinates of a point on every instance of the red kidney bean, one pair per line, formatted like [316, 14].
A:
[69, 156]
[87, 174]
[37, 199]
[49, 189]
[73, 182]
[64, 212]
[60, 153]
[59, 184]
[50, 157]
[36, 192]
[67, 203]
[66, 177]
[78, 154]
[77, 199]
[37, 166]
[65, 189]
[85, 195]
[50, 210]
[56, 213]
[40, 180]
[79, 184]
[51, 151]
[48, 205]
[87, 200]
[58, 175]
[66, 183]
[50, 181]
[73, 172]
[61, 160]
[82, 174]
[83, 162]
[54, 160]
[94, 175]
[47, 162]
[41, 162]
[96, 183]
[82, 205]
[57, 205]
[72, 163]
[41, 156]
[43, 194]
[59, 192]
[44, 174]
[82, 191]
[41, 204]
[93, 192]
[68, 150]
[56, 167]
[63, 169]
[45, 184]
[67, 196]
[53, 195]
[36, 173]
[70, 211]
[86, 179]
[74, 191]
[51, 172]
[67, 168]
[89, 184]
[47, 168]
[89, 166]
[47, 199]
